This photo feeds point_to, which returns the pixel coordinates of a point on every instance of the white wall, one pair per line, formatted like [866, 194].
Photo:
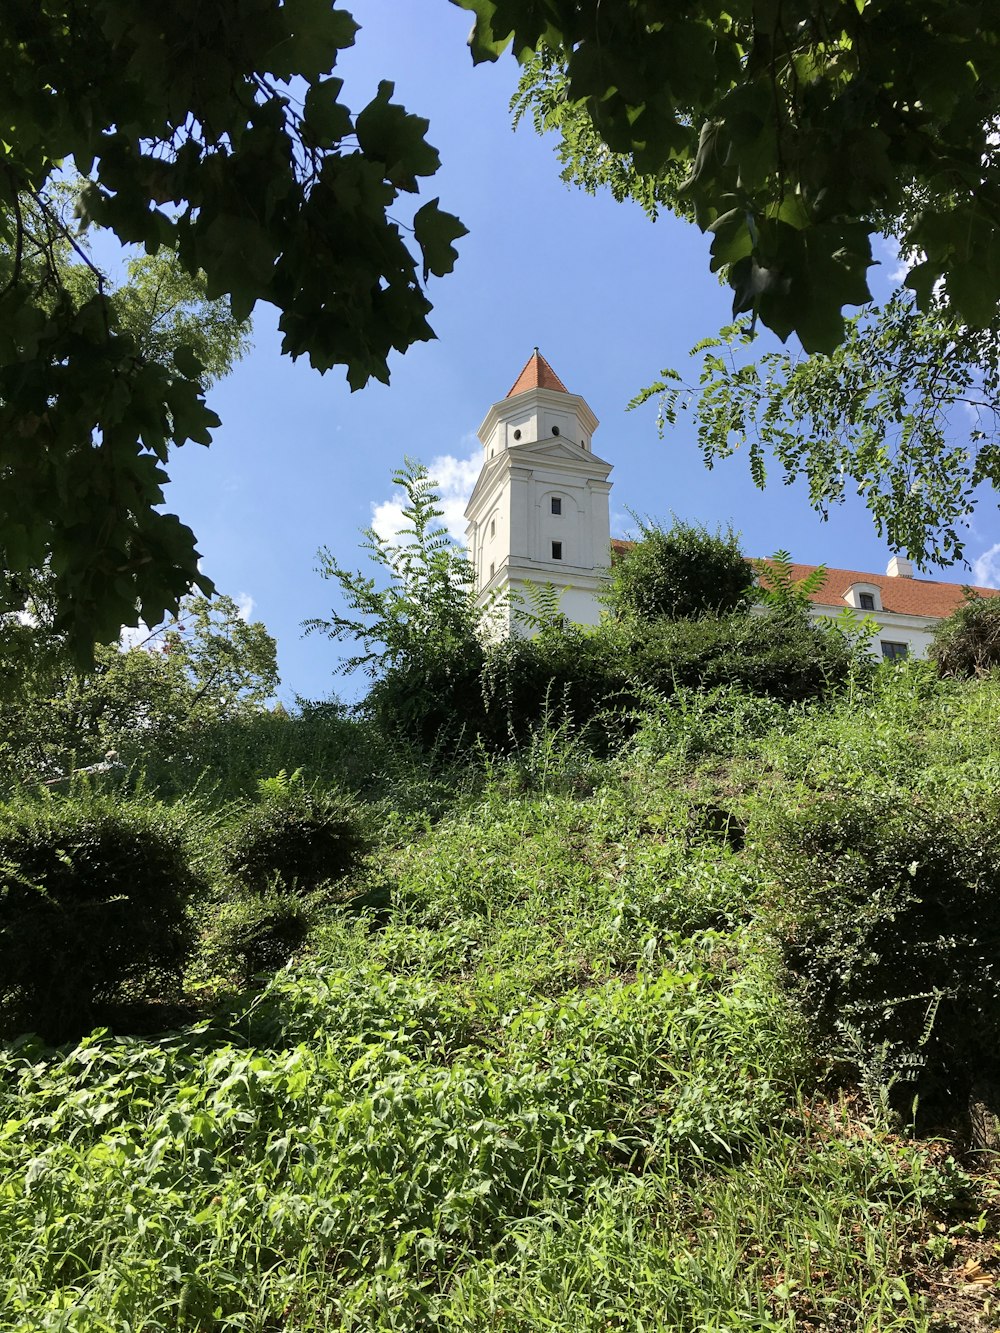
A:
[915, 631]
[580, 606]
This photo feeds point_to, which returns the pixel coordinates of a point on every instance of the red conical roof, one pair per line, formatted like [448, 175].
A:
[537, 374]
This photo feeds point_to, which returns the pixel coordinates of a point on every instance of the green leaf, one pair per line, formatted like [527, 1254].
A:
[327, 120]
[187, 362]
[971, 294]
[484, 43]
[434, 231]
[392, 135]
[315, 32]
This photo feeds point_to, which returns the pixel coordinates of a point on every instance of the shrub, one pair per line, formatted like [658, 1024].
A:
[93, 897]
[585, 676]
[678, 572]
[968, 642]
[436, 699]
[890, 922]
[224, 757]
[294, 837]
[253, 932]
[782, 658]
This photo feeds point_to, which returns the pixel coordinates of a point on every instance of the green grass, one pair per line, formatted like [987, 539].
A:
[554, 1082]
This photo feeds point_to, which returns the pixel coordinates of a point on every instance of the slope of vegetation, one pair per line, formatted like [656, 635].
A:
[572, 1040]
[637, 978]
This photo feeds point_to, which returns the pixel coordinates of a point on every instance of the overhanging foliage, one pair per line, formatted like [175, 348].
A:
[216, 130]
[805, 127]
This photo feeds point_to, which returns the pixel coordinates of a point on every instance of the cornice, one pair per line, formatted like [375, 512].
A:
[551, 398]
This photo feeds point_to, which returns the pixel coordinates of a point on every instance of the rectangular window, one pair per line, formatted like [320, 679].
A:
[866, 601]
[492, 568]
[556, 504]
[894, 652]
[557, 550]
[493, 527]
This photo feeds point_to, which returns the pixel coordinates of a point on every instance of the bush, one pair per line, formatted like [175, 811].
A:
[93, 897]
[225, 757]
[583, 677]
[294, 837]
[253, 932]
[784, 659]
[679, 572]
[968, 642]
[890, 923]
[434, 700]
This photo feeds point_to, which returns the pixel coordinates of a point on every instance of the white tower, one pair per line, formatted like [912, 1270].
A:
[539, 511]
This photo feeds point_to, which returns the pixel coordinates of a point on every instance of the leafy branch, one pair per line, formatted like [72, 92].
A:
[907, 409]
[421, 603]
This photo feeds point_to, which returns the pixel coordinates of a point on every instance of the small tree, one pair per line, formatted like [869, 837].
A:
[968, 642]
[427, 608]
[679, 572]
[416, 623]
[208, 665]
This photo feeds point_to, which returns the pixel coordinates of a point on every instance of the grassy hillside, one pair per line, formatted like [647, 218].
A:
[652, 1040]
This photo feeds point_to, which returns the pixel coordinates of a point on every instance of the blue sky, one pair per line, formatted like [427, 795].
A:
[610, 299]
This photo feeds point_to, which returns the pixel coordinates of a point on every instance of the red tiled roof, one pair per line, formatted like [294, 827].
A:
[537, 374]
[904, 596]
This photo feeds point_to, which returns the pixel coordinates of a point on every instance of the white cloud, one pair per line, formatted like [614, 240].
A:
[453, 480]
[132, 635]
[387, 518]
[246, 605]
[986, 568]
[902, 261]
[620, 520]
[901, 266]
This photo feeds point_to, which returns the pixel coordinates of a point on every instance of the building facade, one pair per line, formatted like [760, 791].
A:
[906, 609]
[539, 513]
[539, 516]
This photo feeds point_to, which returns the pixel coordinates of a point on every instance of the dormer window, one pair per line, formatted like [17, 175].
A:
[864, 597]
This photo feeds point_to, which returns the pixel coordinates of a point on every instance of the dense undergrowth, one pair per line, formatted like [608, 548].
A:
[697, 1032]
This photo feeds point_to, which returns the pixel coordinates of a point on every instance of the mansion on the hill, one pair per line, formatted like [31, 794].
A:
[539, 514]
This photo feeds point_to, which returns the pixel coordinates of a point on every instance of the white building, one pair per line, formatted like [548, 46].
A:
[539, 515]
[539, 511]
[906, 609]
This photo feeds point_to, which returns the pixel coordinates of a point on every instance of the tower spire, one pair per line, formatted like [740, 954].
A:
[537, 374]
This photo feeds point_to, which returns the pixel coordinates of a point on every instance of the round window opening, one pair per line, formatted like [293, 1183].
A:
[517, 435]
[555, 430]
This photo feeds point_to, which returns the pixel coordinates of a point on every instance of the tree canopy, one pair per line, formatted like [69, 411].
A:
[679, 572]
[803, 128]
[905, 412]
[905, 409]
[216, 131]
[209, 665]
